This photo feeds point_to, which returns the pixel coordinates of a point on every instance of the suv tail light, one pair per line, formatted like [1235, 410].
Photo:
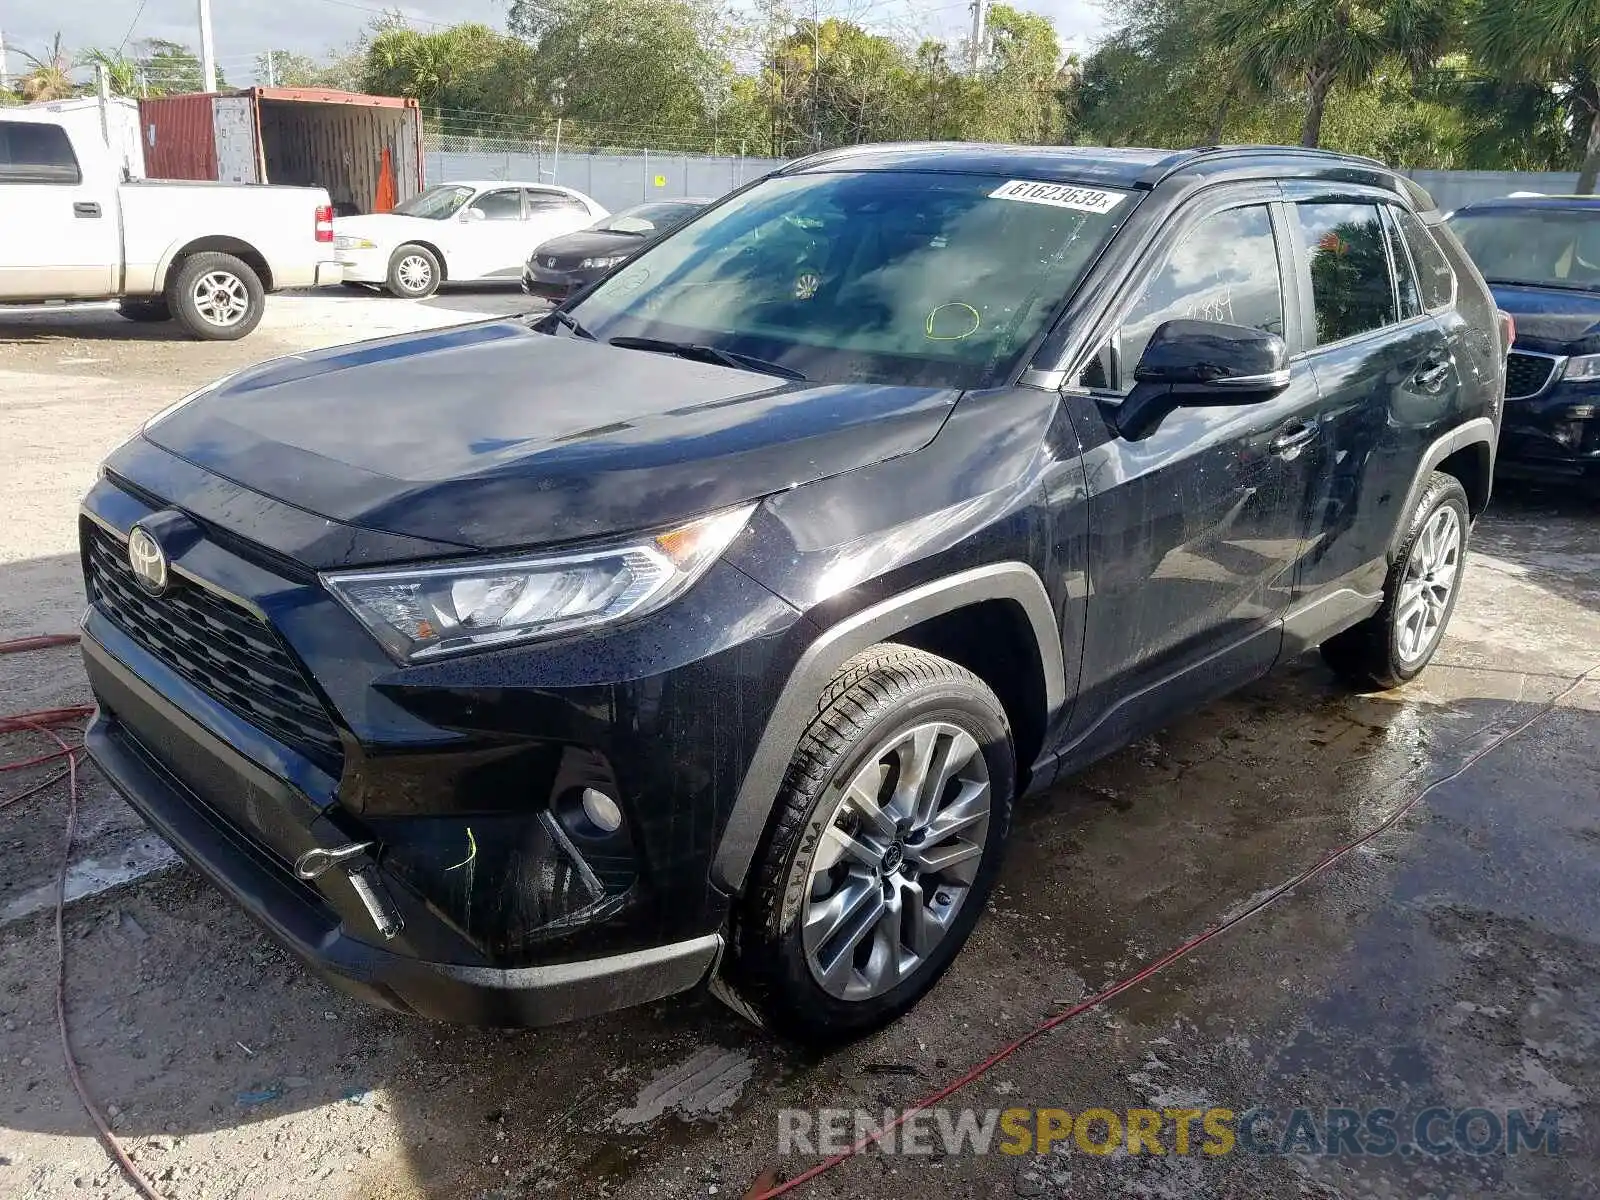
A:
[1508, 329]
[324, 222]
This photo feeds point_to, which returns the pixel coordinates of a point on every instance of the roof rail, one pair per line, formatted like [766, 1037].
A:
[1182, 158]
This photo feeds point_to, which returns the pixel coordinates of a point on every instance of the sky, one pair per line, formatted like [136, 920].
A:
[243, 29]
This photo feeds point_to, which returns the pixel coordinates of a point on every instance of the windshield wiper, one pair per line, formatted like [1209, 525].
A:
[561, 317]
[711, 354]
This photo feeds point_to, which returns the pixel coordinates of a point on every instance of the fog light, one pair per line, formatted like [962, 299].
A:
[602, 810]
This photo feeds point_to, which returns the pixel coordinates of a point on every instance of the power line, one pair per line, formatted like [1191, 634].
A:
[139, 12]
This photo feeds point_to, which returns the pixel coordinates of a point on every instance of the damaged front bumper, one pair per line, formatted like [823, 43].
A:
[315, 919]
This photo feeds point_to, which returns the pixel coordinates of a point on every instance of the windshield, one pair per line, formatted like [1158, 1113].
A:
[437, 203]
[880, 276]
[1542, 247]
[648, 218]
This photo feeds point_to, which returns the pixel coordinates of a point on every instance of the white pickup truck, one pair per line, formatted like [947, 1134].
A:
[203, 254]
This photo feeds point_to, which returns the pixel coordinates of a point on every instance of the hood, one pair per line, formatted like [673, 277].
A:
[384, 227]
[572, 248]
[1552, 320]
[493, 435]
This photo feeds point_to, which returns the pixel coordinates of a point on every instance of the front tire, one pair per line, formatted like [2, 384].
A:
[1396, 643]
[884, 846]
[413, 273]
[216, 297]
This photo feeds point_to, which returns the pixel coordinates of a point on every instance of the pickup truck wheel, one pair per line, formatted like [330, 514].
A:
[145, 310]
[883, 848]
[216, 297]
[1392, 646]
[413, 273]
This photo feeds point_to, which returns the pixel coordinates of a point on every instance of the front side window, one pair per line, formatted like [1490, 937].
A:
[500, 206]
[436, 203]
[36, 153]
[878, 276]
[1225, 269]
[1351, 287]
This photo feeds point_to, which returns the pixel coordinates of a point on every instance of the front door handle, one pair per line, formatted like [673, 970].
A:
[1432, 377]
[85, 208]
[1293, 438]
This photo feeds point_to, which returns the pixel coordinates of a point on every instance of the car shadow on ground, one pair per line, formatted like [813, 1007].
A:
[90, 322]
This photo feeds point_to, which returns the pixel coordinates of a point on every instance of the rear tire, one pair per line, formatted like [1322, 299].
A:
[1396, 643]
[884, 845]
[413, 273]
[144, 310]
[216, 297]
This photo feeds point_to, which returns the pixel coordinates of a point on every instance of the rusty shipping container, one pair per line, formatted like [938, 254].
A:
[340, 141]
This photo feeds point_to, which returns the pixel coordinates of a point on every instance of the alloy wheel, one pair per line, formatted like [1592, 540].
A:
[896, 860]
[1426, 587]
[221, 298]
[414, 272]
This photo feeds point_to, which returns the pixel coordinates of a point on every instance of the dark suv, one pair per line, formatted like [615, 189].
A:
[1541, 257]
[706, 630]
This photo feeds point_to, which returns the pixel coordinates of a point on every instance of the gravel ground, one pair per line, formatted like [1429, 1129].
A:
[1452, 961]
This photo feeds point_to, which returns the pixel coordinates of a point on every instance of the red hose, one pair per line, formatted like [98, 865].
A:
[1172, 956]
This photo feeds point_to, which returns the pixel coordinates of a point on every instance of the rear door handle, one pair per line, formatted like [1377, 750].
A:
[1289, 442]
[85, 208]
[1432, 377]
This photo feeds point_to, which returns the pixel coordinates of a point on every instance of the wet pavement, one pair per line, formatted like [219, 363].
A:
[1451, 962]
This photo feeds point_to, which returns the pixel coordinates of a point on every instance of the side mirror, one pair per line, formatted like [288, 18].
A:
[472, 214]
[1190, 364]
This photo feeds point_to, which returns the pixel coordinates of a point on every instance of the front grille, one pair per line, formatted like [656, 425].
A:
[219, 647]
[1527, 374]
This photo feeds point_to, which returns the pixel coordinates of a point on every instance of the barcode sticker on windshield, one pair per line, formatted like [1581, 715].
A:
[1058, 195]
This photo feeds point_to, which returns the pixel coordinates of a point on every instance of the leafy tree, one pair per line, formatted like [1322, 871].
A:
[122, 72]
[170, 68]
[1549, 43]
[48, 78]
[1321, 44]
[342, 72]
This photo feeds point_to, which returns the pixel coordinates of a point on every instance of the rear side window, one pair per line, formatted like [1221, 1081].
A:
[32, 153]
[553, 202]
[1351, 287]
[1435, 279]
[1226, 269]
[1405, 276]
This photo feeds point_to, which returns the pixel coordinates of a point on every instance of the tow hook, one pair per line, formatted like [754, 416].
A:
[368, 885]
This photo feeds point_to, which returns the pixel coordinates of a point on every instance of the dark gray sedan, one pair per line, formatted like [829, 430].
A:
[573, 261]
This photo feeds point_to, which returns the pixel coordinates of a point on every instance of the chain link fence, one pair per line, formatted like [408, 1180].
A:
[617, 178]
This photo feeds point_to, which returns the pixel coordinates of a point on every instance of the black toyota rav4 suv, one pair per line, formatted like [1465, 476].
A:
[706, 629]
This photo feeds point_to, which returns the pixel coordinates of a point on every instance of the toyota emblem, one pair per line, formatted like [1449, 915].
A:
[148, 560]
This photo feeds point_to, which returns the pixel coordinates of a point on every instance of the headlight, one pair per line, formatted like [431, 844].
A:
[346, 241]
[1585, 367]
[594, 264]
[430, 612]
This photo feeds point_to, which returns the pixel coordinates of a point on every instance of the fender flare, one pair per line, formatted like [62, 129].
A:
[1468, 433]
[163, 271]
[1015, 582]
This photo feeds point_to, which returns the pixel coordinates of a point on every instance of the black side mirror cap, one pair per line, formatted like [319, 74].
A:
[1201, 363]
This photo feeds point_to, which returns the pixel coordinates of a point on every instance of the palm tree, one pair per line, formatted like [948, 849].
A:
[1320, 44]
[1551, 43]
[122, 72]
[48, 80]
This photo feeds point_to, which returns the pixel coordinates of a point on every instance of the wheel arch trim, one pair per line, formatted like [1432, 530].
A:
[1479, 430]
[1014, 582]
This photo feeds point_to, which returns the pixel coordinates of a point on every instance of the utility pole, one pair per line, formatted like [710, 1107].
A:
[5, 76]
[272, 71]
[208, 53]
[980, 16]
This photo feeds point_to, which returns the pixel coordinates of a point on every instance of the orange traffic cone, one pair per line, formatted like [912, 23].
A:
[384, 200]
